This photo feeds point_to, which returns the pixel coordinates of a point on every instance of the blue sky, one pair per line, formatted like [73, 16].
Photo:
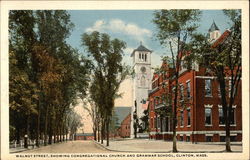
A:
[132, 26]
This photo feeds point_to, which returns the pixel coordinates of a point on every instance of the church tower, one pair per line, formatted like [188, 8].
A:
[214, 32]
[141, 82]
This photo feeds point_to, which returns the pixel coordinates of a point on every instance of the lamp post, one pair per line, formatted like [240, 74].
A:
[25, 141]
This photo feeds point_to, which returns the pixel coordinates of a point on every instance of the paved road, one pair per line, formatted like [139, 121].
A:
[70, 147]
[145, 145]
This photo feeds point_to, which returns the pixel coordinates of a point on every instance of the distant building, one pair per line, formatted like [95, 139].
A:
[200, 119]
[141, 81]
[84, 136]
[124, 129]
[121, 118]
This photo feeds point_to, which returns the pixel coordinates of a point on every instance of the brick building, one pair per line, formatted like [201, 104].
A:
[124, 129]
[84, 136]
[199, 112]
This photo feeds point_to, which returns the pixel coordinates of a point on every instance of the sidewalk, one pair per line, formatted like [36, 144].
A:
[20, 149]
[160, 146]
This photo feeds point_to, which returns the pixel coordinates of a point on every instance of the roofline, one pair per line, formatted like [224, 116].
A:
[150, 51]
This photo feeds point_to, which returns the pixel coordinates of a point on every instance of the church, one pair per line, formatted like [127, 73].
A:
[141, 84]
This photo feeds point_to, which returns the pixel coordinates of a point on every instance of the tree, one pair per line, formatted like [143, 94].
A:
[173, 28]
[47, 75]
[223, 59]
[23, 91]
[108, 71]
[144, 120]
[73, 122]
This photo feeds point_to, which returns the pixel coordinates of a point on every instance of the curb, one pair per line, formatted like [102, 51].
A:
[170, 151]
[22, 150]
[103, 147]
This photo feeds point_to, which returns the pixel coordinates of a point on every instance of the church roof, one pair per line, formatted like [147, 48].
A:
[213, 27]
[141, 48]
[121, 113]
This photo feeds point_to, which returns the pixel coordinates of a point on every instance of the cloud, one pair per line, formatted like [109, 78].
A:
[119, 26]
[126, 58]
[98, 26]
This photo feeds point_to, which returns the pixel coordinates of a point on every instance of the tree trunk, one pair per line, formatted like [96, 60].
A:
[50, 130]
[38, 125]
[175, 118]
[225, 108]
[54, 136]
[98, 132]
[18, 135]
[46, 127]
[60, 133]
[107, 130]
[228, 145]
[102, 131]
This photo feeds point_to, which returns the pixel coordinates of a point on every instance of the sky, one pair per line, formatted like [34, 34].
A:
[133, 27]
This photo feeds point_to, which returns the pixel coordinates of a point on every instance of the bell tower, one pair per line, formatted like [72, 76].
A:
[141, 82]
[214, 32]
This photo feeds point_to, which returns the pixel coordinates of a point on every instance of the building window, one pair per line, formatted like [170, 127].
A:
[232, 116]
[209, 138]
[152, 122]
[142, 57]
[222, 138]
[155, 122]
[188, 138]
[219, 93]
[163, 99]
[182, 119]
[230, 88]
[139, 56]
[189, 117]
[221, 117]
[208, 116]
[208, 88]
[188, 90]
[145, 57]
[181, 138]
[143, 81]
[158, 123]
[233, 138]
[181, 92]
[167, 123]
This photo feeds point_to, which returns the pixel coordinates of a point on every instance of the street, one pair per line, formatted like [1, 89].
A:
[70, 147]
[131, 145]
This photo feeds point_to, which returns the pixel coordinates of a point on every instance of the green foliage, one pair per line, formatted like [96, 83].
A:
[47, 76]
[175, 23]
[108, 71]
[145, 120]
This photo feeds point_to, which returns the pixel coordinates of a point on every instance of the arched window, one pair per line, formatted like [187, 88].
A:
[142, 57]
[139, 56]
[143, 81]
[145, 57]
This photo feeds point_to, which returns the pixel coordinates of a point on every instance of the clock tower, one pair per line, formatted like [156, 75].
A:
[141, 82]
